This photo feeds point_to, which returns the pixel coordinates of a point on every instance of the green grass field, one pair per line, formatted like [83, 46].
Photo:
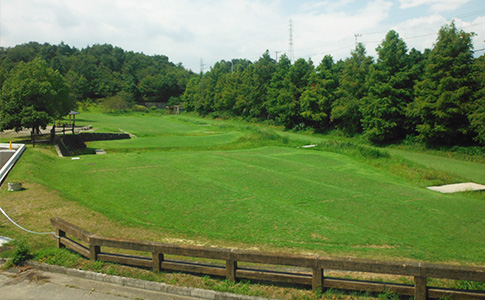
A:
[230, 182]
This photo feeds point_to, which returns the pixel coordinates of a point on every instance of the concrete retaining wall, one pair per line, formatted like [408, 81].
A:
[101, 136]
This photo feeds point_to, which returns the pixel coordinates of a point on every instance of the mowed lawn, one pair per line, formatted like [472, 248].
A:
[178, 177]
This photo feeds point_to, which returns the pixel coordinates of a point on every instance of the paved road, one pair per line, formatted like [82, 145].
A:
[41, 285]
[4, 157]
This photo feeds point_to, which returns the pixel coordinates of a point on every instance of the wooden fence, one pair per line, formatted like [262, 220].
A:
[39, 137]
[315, 265]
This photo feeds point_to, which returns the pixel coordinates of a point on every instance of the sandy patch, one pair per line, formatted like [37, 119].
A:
[458, 187]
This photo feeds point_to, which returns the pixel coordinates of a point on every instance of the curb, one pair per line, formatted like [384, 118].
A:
[142, 284]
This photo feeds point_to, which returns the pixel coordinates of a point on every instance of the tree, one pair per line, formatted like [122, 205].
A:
[353, 88]
[275, 86]
[477, 115]
[261, 76]
[391, 90]
[116, 103]
[316, 101]
[444, 96]
[286, 89]
[78, 85]
[32, 96]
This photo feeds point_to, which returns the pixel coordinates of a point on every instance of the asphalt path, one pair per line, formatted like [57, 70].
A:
[4, 157]
[18, 284]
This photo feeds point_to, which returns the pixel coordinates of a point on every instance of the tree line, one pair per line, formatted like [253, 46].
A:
[436, 96]
[102, 71]
[41, 82]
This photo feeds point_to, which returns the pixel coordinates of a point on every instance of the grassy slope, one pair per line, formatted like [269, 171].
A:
[474, 171]
[267, 196]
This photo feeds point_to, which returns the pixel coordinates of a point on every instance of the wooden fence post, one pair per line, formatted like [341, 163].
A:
[93, 252]
[420, 291]
[317, 278]
[32, 137]
[231, 267]
[60, 234]
[53, 134]
[157, 259]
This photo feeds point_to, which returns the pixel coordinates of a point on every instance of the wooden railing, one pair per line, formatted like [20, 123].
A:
[90, 246]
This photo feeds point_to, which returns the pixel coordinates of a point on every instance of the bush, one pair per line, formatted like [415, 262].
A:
[20, 254]
[139, 108]
[173, 101]
[115, 104]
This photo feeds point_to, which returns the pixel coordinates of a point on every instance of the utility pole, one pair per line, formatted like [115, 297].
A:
[291, 53]
[358, 35]
[277, 52]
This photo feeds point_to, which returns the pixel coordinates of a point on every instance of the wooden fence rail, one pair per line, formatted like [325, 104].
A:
[90, 246]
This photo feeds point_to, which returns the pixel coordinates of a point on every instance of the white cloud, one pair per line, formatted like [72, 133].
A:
[333, 33]
[435, 5]
[327, 6]
[183, 30]
[421, 33]
[188, 30]
[476, 26]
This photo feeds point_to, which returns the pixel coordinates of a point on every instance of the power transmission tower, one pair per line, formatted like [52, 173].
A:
[202, 66]
[291, 53]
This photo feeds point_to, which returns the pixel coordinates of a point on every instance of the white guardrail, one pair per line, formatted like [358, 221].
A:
[18, 150]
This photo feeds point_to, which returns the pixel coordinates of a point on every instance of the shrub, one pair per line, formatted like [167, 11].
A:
[139, 108]
[20, 254]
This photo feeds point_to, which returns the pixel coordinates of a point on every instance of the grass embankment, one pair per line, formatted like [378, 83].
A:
[227, 183]
[185, 179]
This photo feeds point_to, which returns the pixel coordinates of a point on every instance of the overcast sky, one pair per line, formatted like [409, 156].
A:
[189, 31]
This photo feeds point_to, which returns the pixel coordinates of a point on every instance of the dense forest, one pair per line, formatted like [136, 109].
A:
[437, 97]
[104, 71]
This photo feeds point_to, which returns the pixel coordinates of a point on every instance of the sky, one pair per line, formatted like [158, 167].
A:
[199, 33]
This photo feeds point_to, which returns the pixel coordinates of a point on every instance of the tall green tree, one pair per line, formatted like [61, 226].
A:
[276, 84]
[245, 105]
[191, 94]
[286, 93]
[346, 114]
[32, 96]
[444, 96]
[316, 101]
[477, 115]
[390, 91]
[262, 73]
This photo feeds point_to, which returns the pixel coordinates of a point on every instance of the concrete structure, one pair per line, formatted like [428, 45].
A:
[8, 158]
[45, 282]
